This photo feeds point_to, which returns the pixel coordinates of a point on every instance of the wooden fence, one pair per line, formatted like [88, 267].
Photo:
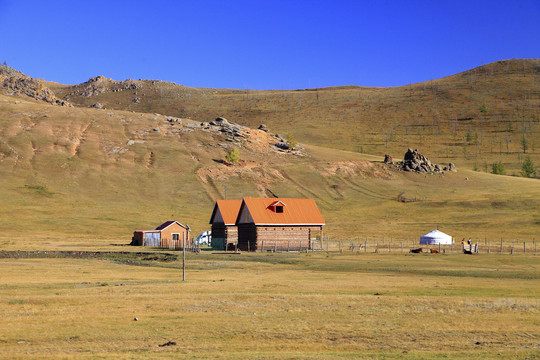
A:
[170, 244]
[404, 246]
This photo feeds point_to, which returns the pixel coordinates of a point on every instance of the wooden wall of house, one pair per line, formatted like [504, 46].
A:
[280, 238]
[137, 238]
[247, 237]
[227, 232]
[218, 231]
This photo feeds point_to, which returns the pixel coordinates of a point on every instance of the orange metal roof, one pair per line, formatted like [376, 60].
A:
[295, 211]
[229, 210]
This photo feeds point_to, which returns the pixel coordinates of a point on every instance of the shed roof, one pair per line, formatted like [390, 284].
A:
[228, 209]
[166, 224]
[295, 211]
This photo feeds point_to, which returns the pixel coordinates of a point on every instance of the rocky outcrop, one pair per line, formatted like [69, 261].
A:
[25, 85]
[414, 161]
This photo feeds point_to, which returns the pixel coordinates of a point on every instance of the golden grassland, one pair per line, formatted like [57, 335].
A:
[273, 306]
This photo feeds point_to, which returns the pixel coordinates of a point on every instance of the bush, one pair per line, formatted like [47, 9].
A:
[233, 156]
[527, 168]
[498, 168]
[291, 141]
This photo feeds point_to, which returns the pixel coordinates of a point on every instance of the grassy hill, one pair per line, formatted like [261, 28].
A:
[76, 177]
[476, 118]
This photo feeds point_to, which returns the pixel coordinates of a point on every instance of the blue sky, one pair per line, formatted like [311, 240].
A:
[264, 44]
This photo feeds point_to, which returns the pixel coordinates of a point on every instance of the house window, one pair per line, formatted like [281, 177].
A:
[175, 237]
[279, 208]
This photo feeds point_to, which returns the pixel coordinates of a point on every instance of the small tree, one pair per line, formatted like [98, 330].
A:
[527, 168]
[233, 156]
[484, 109]
[524, 143]
[498, 168]
[291, 141]
[468, 137]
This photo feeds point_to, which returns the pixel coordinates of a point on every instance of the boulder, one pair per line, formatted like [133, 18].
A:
[452, 167]
[387, 159]
[221, 121]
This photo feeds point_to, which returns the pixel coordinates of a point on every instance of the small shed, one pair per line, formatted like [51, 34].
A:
[170, 234]
[436, 237]
[223, 221]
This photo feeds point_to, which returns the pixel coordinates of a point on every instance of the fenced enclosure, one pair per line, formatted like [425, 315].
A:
[396, 246]
[173, 244]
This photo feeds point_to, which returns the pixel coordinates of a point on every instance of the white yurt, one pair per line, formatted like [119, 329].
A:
[436, 237]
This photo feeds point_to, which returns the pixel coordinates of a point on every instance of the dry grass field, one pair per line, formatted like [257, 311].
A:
[272, 306]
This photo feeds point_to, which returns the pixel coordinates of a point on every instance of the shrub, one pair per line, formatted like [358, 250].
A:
[291, 141]
[498, 168]
[527, 168]
[233, 156]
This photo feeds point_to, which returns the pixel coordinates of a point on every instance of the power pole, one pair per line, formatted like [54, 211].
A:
[184, 257]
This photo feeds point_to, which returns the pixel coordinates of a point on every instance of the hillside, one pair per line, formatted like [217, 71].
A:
[74, 176]
[477, 117]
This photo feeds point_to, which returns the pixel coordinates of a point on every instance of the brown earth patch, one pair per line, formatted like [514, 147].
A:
[363, 169]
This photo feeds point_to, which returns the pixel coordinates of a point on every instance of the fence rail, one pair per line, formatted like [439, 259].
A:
[395, 246]
[170, 244]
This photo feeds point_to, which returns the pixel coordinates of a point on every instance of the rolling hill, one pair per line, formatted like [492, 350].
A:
[479, 116]
[73, 175]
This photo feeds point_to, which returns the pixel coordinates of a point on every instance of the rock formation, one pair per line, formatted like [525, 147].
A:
[416, 162]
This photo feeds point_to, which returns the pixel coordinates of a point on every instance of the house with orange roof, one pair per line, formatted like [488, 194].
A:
[223, 221]
[170, 234]
[281, 224]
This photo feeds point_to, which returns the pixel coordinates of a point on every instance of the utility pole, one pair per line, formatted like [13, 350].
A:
[184, 257]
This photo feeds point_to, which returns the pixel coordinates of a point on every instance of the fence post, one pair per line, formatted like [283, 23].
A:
[262, 245]
[501, 247]
[524, 248]
[402, 247]
[439, 248]
[377, 248]
[288, 245]
[340, 250]
[300, 246]
[489, 246]
[512, 251]
[365, 246]
[390, 246]
[327, 241]
[275, 246]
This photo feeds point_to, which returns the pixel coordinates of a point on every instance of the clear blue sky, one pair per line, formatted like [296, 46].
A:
[264, 44]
